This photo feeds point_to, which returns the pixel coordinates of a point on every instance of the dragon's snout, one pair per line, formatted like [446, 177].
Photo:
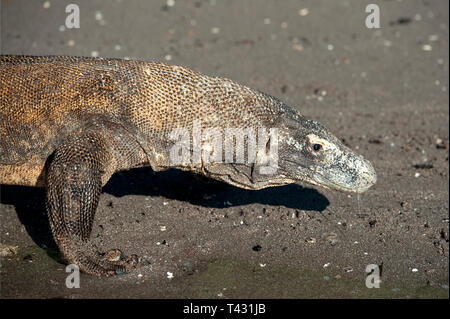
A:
[366, 177]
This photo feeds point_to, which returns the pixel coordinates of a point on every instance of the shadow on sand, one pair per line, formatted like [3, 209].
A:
[29, 202]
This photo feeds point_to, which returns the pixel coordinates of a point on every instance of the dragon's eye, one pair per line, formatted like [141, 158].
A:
[317, 147]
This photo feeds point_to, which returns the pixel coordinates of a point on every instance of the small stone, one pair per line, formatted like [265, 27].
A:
[71, 43]
[169, 275]
[215, 30]
[303, 12]
[170, 3]
[46, 5]
[256, 248]
[414, 270]
[167, 57]
[348, 269]
[267, 21]
[427, 47]
[331, 237]
[98, 15]
[433, 37]
[8, 250]
[298, 47]
[94, 54]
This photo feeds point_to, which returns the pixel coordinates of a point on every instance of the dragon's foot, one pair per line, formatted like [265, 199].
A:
[90, 261]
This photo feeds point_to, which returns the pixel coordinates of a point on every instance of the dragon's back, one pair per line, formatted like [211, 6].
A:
[43, 99]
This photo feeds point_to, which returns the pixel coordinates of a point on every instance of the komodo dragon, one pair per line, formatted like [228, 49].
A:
[69, 123]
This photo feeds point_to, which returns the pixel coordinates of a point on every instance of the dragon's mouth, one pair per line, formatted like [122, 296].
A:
[329, 184]
[365, 178]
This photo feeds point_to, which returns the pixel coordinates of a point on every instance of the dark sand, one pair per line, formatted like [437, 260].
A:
[384, 92]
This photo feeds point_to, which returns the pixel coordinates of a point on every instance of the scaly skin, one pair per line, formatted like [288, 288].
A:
[69, 123]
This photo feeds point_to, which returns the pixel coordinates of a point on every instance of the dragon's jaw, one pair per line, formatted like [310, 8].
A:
[356, 176]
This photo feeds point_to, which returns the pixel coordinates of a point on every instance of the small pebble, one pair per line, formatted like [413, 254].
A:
[427, 47]
[169, 275]
[348, 269]
[170, 3]
[387, 43]
[62, 28]
[267, 21]
[257, 248]
[298, 47]
[94, 54]
[162, 228]
[98, 15]
[303, 12]
[8, 250]
[71, 43]
[433, 37]
[215, 30]
[117, 47]
[46, 5]
[414, 270]
[417, 175]
[326, 265]
[167, 57]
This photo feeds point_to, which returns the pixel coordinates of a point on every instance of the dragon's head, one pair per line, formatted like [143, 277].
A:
[308, 152]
